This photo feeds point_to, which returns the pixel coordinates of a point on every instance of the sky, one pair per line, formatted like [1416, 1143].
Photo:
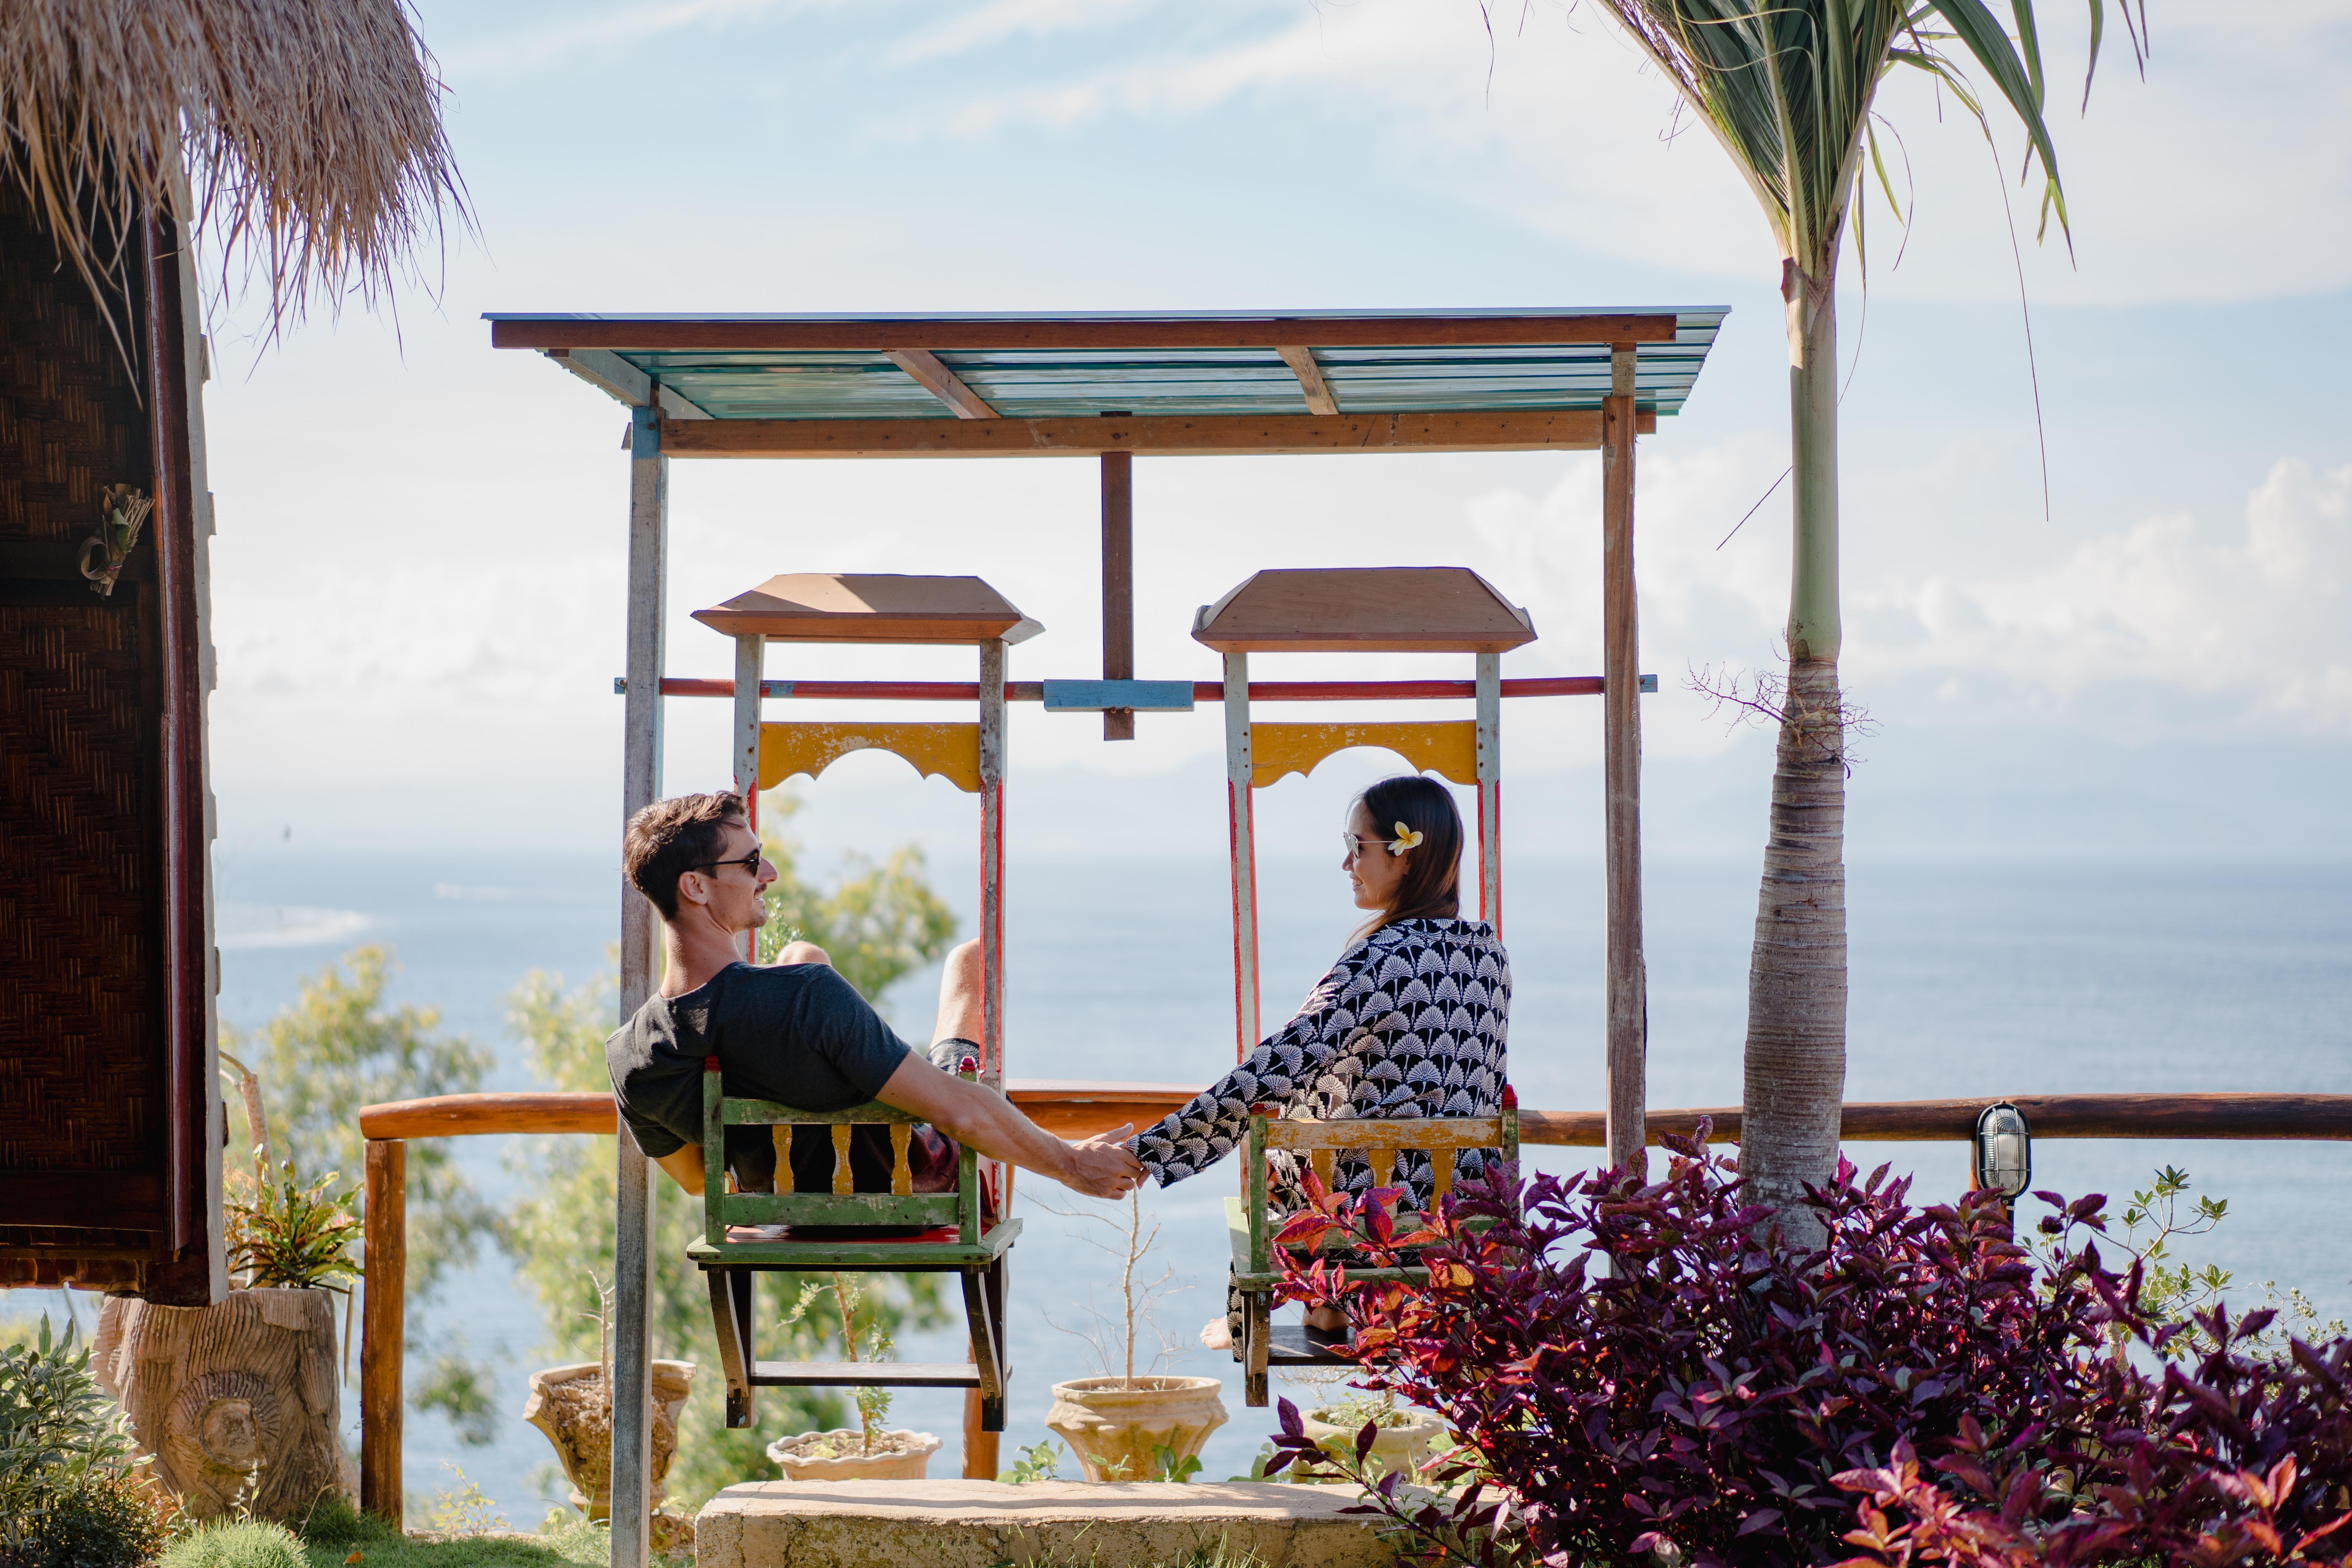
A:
[418, 574]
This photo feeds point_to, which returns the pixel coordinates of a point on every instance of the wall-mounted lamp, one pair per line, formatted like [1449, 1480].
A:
[2002, 1161]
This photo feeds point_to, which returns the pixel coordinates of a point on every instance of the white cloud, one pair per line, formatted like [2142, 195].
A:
[2255, 620]
[2203, 182]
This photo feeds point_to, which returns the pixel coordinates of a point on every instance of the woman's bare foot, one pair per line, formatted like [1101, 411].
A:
[1216, 1334]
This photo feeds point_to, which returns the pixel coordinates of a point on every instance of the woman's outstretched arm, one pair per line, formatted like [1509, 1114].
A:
[1286, 1067]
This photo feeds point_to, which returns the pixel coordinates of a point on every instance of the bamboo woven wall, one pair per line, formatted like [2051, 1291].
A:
[81, 1036]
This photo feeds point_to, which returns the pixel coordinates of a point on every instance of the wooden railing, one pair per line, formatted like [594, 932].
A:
[1071, 1109]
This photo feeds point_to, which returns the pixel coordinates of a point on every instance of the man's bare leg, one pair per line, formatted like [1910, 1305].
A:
[961, 981]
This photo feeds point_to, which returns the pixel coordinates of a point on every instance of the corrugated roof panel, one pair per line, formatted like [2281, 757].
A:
[1044, 382]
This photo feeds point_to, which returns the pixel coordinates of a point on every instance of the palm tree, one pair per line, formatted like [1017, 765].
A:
[1786, 87]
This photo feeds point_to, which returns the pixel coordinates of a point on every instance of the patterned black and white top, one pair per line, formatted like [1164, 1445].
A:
[1409, 1022]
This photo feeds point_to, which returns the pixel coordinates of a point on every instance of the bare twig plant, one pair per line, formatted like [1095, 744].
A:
[1114, 1338]
[1765, 698]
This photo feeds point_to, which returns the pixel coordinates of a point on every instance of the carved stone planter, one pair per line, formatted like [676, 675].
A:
[1393, 1447]
[898, 1456]
[237, 1400]
[1113, 1426]
[570, 1406]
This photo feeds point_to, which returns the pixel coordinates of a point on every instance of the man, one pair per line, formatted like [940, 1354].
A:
[796, 1032]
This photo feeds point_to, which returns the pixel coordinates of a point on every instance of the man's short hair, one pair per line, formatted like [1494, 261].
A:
[671, 838]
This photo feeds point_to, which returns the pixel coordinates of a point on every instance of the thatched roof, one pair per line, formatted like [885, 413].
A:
[305, 135]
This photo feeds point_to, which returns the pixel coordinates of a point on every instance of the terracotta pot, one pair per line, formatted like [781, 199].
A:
[1113, 1426]
[907, 1462]
[1393, 1447]
[582, 1429]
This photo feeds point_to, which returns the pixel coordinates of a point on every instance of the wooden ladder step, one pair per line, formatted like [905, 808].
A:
[864, 1374]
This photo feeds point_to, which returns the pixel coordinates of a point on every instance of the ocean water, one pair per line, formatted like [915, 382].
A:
[1969, 976]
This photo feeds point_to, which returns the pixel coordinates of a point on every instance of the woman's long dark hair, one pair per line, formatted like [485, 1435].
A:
[1432, 868]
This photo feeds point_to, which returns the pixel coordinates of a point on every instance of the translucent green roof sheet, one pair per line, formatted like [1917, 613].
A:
[1034, 367]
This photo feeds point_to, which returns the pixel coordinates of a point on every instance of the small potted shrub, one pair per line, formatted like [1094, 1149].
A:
[1128, 1427]
[869, 1451]
[1401, 1436]
[573, 1405]
[238, 1402]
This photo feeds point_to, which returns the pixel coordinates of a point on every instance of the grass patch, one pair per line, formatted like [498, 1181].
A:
[336, 1531]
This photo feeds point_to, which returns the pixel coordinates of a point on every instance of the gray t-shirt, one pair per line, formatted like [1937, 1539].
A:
[797, 1034]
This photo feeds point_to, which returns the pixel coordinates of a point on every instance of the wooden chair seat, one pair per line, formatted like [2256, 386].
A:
[1249, 1228]
[845, 1231]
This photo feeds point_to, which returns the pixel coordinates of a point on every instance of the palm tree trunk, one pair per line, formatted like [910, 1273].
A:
[1795, 1065]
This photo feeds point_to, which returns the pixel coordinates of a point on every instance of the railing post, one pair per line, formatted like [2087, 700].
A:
[384, 1242]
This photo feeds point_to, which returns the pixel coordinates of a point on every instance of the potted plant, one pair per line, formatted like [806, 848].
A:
[1401, 1437]
[239, 1401]
[869, 1452]
[1124, 1426]
[573, 1405]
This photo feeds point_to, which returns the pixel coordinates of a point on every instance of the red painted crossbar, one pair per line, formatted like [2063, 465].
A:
[1202, 690]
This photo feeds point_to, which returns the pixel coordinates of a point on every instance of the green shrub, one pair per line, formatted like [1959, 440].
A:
[68, 1496]
[241, 1543]
[107, 1520]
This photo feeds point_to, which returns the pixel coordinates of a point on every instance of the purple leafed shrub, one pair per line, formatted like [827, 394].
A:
[1634, 1370]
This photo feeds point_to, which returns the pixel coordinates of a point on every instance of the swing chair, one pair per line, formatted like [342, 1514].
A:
[1349, 610]
[966, 1231]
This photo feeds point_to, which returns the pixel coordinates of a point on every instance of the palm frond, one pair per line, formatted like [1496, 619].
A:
[303, 135]
[1786, 87]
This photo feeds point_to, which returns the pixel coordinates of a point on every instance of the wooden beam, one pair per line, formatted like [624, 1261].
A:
[1119, 585]
[1081, 1108]
[1107, 331]
[1301, 360]
[1626, 1006]
[1174, 435]
[623, 383]
[941, 382]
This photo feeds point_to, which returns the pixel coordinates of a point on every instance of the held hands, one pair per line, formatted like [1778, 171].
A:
[1102, 1166]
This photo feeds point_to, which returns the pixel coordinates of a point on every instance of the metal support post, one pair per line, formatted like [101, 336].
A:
[1628, 1003]
[1244, 853]
[980, 1446]
[750, 665]
[641, 744]
[1490, 790]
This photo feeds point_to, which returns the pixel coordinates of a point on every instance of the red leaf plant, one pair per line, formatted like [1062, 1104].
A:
[1639, 1371]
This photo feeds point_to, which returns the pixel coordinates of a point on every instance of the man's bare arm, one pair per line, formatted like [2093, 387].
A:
[684, 1168]
[984, 1120]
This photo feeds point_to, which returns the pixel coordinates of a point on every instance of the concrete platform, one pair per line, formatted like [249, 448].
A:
[1065, 1524]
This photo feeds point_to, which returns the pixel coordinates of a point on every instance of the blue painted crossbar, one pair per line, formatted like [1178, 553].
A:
[1094, 696]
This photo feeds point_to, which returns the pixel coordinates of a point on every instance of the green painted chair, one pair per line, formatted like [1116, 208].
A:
[1257, 1344]
[954, 1240]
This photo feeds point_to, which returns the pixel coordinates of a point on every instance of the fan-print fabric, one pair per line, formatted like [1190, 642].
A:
[1410, 1023]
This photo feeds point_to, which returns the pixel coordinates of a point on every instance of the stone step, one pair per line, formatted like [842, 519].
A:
[977, 1524]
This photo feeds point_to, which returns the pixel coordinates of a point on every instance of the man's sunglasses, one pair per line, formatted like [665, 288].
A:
[750, 863]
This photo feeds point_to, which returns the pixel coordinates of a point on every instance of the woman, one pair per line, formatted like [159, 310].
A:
[1409, 1023]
